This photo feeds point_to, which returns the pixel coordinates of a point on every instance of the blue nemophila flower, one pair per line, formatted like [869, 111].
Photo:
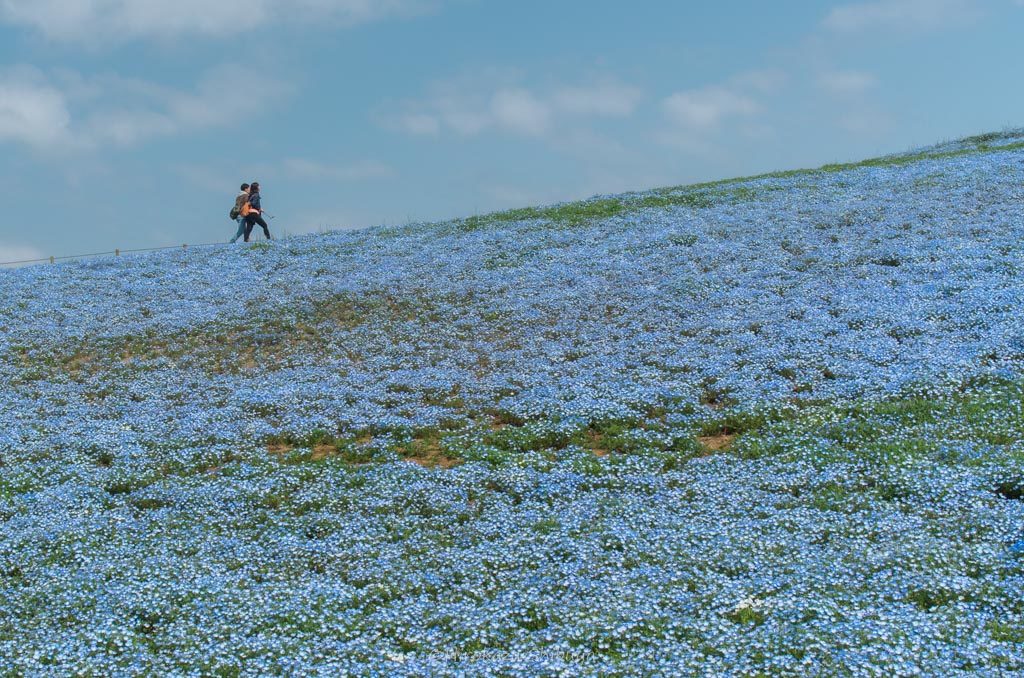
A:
[201, 483]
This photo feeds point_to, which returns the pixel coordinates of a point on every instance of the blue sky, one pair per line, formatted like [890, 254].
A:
[130, 123]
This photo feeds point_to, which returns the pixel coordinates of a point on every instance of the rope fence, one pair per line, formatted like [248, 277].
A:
[116, 253]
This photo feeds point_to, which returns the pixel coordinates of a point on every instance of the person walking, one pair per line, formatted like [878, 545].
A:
[255, 215]
[240, 200]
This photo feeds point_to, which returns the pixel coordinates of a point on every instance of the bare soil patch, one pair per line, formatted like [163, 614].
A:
[595, 443]
[427, 452]
[717, 443]
[323, 451]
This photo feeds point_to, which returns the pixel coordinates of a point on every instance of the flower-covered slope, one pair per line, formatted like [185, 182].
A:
[766, 426]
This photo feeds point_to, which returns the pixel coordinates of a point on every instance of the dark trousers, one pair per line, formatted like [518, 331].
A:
[251, 221]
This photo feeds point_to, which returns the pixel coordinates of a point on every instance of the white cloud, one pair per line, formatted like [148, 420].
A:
[78, 19]
[70, 112]
[763, 81]
[846, 83]
[463, 115]
[898, 15]
[492, 101]
[11, 253]
[520, 111]
[32, 112]
[708, 107]
[463, 106]
[419, 124]
[144, 110]
[697, 118]
[93, 20]
[610, 99]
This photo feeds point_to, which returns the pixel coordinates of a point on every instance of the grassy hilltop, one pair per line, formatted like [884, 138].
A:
[765, 426]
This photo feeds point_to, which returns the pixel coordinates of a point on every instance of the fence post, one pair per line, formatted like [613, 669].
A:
[117, 252]
[51, 258]
[185, 246]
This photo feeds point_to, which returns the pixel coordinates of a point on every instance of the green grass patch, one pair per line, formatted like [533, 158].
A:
[977, 425]
[710, 194]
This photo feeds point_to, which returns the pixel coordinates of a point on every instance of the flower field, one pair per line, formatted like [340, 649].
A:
[763, 427]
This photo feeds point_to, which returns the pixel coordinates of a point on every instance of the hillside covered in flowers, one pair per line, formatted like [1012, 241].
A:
[767, 426]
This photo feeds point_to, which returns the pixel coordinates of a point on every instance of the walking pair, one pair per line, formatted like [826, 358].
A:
[248, 211]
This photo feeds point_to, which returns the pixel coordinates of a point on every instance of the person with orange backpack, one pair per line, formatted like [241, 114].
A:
[236, 212]
[253, 212]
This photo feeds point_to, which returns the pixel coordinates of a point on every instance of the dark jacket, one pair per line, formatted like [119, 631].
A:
[254, 201]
